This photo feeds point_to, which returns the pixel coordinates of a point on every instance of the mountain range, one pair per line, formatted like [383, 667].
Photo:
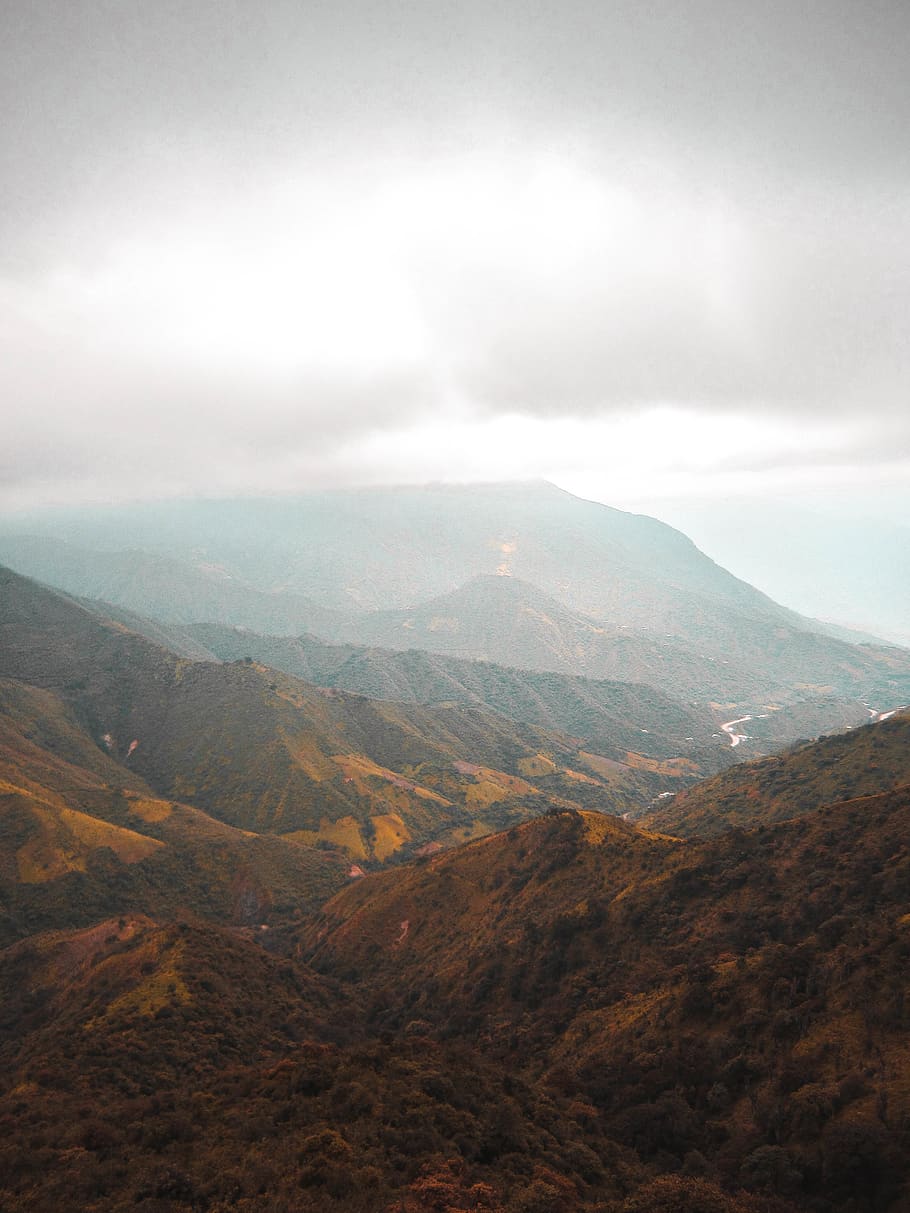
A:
[575, 1013]
[386, 905]
[262, 751]
[525, 576]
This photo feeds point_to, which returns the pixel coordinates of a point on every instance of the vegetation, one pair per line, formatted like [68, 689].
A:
[268, 753]
[203, 1010]
[520, 575]
[858, 763]
[610, 716]
[571, 1015]
[734, 1011]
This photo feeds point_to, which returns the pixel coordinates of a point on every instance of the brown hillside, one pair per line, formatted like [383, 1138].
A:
[743, 1001]
[269, 753]
[81, 842]
[175, 1068]
[571, 1015]
[859, 763]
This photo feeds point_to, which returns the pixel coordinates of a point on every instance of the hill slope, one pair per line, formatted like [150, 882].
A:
[611, 716]
[82, 837]
[753, 660]
[736, 1008]
[162, 588]
[263, 751]
[572, 1015]
[174, 1067]
[575, 1014]
[858, 763]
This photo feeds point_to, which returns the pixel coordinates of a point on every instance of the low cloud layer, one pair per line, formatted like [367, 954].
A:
[247, 250]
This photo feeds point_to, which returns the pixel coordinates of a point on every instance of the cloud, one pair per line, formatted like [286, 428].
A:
[261, 245]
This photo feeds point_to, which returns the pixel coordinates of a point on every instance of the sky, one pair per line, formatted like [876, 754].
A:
[658, 253]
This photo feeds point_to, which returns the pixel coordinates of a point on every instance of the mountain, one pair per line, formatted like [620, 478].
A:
[521, 575]
[734, 1009]
[855, 764]
[572, 1015]
[764, 661]
[390, 548]
[161, 588]
[265, 752]
[612, 717]
[176, 1067]
[135, 1043]
[82, 837]
[217, 994]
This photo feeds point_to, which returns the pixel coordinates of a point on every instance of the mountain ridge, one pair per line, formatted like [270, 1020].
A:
[847, 766]
[263, 751]
[672, 616]
[573, 1013]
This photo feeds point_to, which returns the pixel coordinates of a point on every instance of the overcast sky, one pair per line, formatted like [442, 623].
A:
[653, 251]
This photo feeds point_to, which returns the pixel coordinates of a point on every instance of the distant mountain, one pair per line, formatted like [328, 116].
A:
[859, 763]
[389, 548]
[611, 714]
[164, 589]
[521, 575]
[386, 549]
[766, 661]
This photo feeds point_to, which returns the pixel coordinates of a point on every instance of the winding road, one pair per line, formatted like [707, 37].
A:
[728, 728]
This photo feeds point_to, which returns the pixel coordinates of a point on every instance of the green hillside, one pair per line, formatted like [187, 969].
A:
[613, 717]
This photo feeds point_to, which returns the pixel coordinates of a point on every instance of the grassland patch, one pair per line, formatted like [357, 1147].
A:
[391, 834]
[66, 838]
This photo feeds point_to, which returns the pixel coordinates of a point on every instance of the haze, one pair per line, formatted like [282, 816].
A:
[659, 254]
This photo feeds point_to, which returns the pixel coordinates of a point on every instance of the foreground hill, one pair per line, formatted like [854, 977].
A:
[736, 1009]
[858, 763]
[574, 1014]
[175, 1067]
[262, 751]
